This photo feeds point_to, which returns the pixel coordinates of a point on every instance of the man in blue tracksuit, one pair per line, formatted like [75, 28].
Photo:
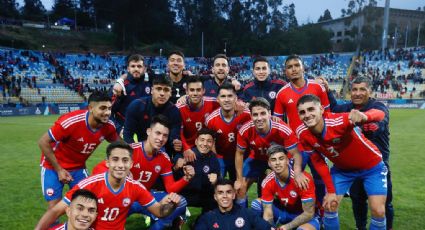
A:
[199, 192]
[128, 88]
[142, 110]
[379, 134]
[262, 85]
[229, 216]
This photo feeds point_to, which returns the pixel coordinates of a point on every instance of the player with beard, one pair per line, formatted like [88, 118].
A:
[129, 87]
[68, 144]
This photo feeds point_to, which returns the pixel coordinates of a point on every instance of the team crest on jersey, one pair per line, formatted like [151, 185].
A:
[148, 90]
[272, 94]
[239, 222]
[50, 192]
[293, 194]
[157, 168]
[101, 138]
[336, 140]
[126, 202]
[206, 169]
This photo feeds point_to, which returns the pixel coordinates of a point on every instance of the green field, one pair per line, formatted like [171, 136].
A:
[22, 204]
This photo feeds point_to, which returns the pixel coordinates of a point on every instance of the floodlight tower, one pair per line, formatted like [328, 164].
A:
[386, 19]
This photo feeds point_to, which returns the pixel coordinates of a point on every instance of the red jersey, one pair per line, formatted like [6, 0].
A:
[258, 143]
[146, 170]
[75, 140]
[63, 226]
[287, 98]
[289, 194]
[193, 120]
[342, 143]
[112, 206]
[226, 131]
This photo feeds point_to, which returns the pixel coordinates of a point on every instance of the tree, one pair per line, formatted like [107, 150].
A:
[63, 8]
[325, 17]
[292, 20]
[8, 9]
[33, 10]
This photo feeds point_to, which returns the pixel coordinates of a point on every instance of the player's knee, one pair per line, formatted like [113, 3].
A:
[378, 211]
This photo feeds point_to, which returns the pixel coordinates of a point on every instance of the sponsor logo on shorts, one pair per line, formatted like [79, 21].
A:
[50, 192]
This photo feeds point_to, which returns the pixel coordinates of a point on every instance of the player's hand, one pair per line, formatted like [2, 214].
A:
[240, 107]
[182, 100]
[240, 187]
[282, 228]
[212, 177]
[173, 198]
[64, 176]
[276, 119]
[370, 127]
[330, 202]
[301, 180]
[323, 82]
[187, 73]
[189, 172]
[236, 84]
[177, 144]
[117, 89]
[189, 155]
[356, 116]
[179, 164]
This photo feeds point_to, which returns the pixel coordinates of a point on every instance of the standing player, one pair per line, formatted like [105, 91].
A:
[193, 114]
[220, 71]
[176, 72]
[127, 90]
[229, 216]
[336, 137]
[150, 162]
[257, 135]
[295, 206]
[379, 134]
[262, 86]
[286, 104]
[226, 122]
[115, 193]
[81, 212]
[70, 142]
[141, 111]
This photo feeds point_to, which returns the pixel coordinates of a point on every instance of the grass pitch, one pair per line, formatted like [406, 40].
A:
[22, 204]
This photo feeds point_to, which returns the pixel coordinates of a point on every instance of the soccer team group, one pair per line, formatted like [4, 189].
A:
[180, 140]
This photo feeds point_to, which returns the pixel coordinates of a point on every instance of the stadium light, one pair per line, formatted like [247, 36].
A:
[109, 27]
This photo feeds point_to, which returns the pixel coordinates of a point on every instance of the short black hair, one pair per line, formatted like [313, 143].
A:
[118, 145]
[228, 86]
[293, 56]
[220, 56]
[260, 59]
[308, 98]
[135, 58]
[161, 119]
[206, 131]
[223, 181]
[193, 79]
[98, 96]
[162, 79]
[275, 148]
[259, 101]
[85, 194]
[176, 52]
[362, 79]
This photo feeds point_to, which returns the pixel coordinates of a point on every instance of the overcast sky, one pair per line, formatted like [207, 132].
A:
[310, 10]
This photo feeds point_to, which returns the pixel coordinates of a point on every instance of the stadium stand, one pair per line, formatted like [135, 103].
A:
[40, 77]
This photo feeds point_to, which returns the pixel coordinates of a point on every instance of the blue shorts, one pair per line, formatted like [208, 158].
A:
[374, 179]
[227, 166]
[52, 188]
[158, 195]
[281, 216]
[254, 168]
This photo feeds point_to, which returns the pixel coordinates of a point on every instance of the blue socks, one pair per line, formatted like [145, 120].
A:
[331, 221]
[378, 223]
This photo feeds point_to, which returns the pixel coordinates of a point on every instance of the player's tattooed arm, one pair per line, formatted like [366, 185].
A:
[305, 217]
[268, 213]
[166, 209]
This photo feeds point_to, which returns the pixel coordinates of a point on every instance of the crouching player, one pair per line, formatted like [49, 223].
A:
[295, 207]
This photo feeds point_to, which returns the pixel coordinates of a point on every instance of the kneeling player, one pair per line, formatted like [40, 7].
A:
[295, 207]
